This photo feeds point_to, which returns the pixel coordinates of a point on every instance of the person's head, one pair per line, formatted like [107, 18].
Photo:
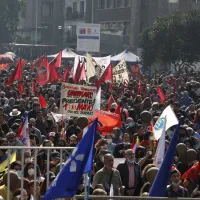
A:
[116, 133]
[99, 192]
[29, 170]
[190, 131]
[51, 101]
[15, 127]
[36, 106]
[175, 177]
[20, 191]
[11, 101]
[13, 180]
[185, 94]
[44, 111]
[108, 138]
[52, 136]
[17, 166]
[130, 156]
[11, 138]
[22, 103]
[126, 138]
[27, 157]
[130, 122]
[108, 161]
[31, 188]
[73, 141]
[39, 115]
[32, 122]
[61, 143]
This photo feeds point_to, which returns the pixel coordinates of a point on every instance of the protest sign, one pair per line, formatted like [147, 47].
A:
[77, 100]
[120, 73]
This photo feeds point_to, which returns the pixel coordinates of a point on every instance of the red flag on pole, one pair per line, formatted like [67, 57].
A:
[80, 73]
[161, 94]
[38, 63]
[43, 103]
[110, 102]
[53, 74]
[66, 74]
[57, 60]
[34, 86]
[20, 87]
[17, 73]
[107, 75]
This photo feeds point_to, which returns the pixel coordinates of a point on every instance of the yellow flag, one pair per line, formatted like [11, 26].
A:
[137, 141]
[4, 165]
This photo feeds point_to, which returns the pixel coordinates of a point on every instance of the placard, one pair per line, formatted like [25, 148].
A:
[77, 100]
[120, 73]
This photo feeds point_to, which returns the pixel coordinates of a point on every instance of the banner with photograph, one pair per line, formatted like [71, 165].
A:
[120, 72]
[77, 100]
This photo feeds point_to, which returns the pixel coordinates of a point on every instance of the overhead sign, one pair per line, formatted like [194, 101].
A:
[77, 100]
[88, 37]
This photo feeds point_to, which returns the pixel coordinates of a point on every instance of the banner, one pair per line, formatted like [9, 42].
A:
[120, 73]
[4, 165]
[77, 100]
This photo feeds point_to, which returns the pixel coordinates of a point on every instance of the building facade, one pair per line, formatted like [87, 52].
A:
[123, 20]
[74, 14]
[42, 22]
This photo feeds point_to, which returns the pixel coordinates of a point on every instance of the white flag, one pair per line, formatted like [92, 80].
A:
[160, 151]
[97, 104]
[111, 191]
[90, 69]
[171, 120]
[58, 117]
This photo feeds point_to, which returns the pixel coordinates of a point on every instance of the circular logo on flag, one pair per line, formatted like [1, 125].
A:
[159, 124]
[42, 70]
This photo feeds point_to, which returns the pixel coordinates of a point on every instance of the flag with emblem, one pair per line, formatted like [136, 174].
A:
[80, 162]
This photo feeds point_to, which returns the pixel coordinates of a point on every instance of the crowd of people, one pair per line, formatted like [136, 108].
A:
[135, 175]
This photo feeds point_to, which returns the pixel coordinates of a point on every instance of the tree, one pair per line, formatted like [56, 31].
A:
[9, 18]
[173, 39]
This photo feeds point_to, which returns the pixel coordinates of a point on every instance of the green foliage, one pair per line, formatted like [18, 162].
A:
[9, 18]
[173, 39]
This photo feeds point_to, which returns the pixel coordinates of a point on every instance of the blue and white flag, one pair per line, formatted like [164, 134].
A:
[80, 162]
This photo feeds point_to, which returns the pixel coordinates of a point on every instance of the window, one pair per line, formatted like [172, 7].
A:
[47, 9]
[119, 3]
[101, 4]
[108, 3]
[126, 3]
[74, 7]
[82, 8]
[69, 12]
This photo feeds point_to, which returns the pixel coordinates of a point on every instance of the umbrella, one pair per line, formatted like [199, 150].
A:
[13, 55]
[5, 59]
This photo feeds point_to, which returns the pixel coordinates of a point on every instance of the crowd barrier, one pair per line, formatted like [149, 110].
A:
[60, 150]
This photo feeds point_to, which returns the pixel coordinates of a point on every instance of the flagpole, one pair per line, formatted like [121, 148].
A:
[86, 185]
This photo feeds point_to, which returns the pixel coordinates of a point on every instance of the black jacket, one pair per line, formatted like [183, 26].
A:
[119, 147]
[124, 173]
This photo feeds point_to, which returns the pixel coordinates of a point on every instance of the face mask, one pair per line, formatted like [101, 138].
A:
[11, 143]
[31, 172]
[126, 143]
[131, 124]
[109, 141]
[27, 160]
[102, 159]
[131, 161]
[176, 184]
[19, 173]
[151, 138]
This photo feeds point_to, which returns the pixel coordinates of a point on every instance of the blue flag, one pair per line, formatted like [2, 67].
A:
[80, 162]
[159, 186]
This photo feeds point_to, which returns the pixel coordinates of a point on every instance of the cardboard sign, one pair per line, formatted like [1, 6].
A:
[77, 100]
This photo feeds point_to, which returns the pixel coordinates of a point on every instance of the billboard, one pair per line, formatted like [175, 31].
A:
[88, 37]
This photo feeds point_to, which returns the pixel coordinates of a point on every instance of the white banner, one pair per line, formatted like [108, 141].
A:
[88, 37]
[120, 72]
[77, 100]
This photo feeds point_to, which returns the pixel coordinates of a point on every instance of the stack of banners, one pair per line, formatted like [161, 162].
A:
[4, 165]
[107, 121]
[77, 100]
[120, 73]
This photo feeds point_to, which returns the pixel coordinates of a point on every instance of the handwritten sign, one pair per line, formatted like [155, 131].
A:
[77, 100]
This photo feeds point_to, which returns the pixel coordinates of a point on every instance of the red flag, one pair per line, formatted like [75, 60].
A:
[192, 173]
[4, 66]
[80, 73]
[139, 88]
[118, 109]
[107, 121]
[161, 94]
[66, 74]
[38, 63]
[34, 86]
[107, 75]
[20, 87]
[135, 71]
[110, 102]
[43, 103]
[53, 74]
[42, 75]
[57, 60]
[17, 73]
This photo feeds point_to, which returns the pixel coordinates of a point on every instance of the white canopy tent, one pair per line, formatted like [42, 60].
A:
[66, 53]
[127, 55]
